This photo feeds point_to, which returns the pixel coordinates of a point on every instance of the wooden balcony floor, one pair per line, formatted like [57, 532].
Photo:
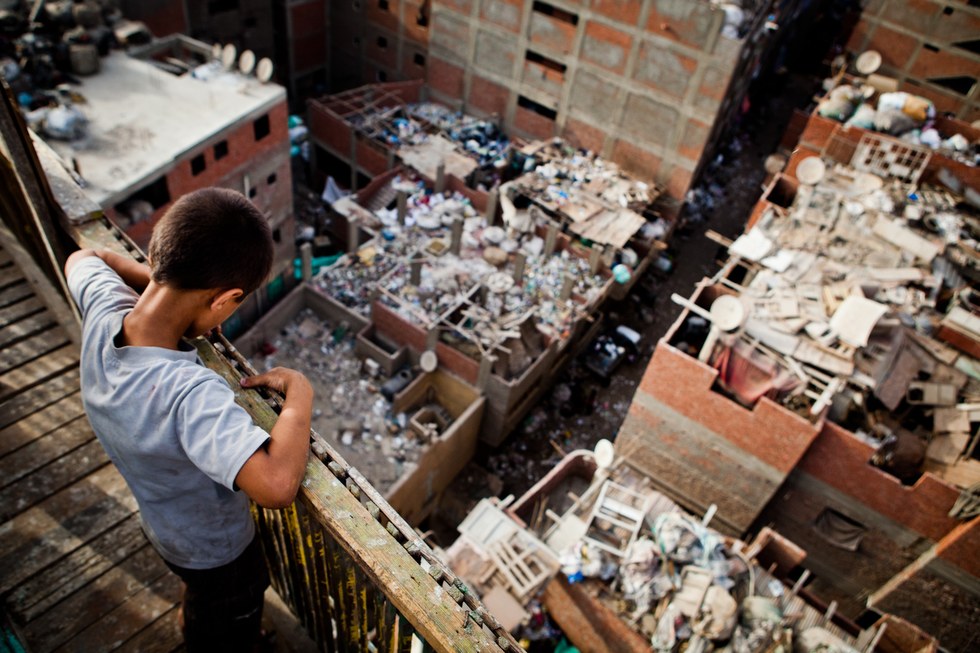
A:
[76, 572]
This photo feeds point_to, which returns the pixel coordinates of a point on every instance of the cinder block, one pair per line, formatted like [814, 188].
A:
[595, 97]
[505, 13]
[605, 46]
[623, 11]
[494, 53]
[649, 120]
[692, 23]
[664, 68]
[451, 34]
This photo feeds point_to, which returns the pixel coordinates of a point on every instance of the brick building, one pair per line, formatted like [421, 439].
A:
[161, 134]
[931, 47]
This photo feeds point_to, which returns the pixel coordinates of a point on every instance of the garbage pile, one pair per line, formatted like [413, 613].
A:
[352, 408]
[480, 138]
[855, 294]
[47, 46]
[907, 116]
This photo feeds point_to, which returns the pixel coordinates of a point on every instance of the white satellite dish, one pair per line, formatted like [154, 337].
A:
[868, 62]
[604, 453]
[428, 361]
[228, 56]
[246, 63]
[811, 170]
[727, 313]
[264, 70]
[216, 51]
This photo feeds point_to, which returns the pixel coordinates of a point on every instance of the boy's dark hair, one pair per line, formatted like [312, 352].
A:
[211, 238]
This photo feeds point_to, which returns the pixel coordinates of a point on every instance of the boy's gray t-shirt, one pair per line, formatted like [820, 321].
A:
[170, 425]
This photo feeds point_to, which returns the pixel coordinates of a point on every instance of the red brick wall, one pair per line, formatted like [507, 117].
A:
[581, 134]
[558, 35]
[961, 546]
[635, 160]
[329, 128]
[371, 155]
[623, 11]
[445, 77]
[610, 38]
[771, 433]
[387, 18]
[404, 333]
[533, 124]
[488, 96]
[842, 461]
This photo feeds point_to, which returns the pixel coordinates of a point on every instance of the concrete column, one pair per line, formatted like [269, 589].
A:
[566, 287]
[490, 215]
[402, 206]
[391, 159]
[353, 235]
[416, 271]
[486, 368]
[595, 257]
[440, 177]
[306, 258]
[549, 240]
[432, 338]
[457, 236]
[484, 293]
[520, 259]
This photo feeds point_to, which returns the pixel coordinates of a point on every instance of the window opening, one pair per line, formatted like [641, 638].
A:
[198, 165]
[220, 150]
[540, 109]
[261, 127]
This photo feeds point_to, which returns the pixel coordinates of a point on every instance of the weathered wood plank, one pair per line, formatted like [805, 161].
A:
[41, 591]
[4, 257]
[38, 370]
[9, 275]
[31, 348]
[35, 455]
[162, 636]
[40, 423]
[61, 523]
[61, 473]
[19, 310]
[37, 398]
[127, 620]
[26, 327]
[94, 601]
[15, 293]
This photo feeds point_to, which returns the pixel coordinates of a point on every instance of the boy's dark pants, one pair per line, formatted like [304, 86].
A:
[223, 606]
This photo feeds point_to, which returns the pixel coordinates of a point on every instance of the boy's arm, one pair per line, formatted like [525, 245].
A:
[271, 476]
[135, 275]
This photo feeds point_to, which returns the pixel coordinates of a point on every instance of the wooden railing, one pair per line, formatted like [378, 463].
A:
[355, 573]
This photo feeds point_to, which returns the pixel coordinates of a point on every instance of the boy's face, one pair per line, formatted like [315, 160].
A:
[218, 309]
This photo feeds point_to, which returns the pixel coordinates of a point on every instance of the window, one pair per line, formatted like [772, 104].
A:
[261, 127]
[539, 109]
[555, 12]
[383, 5]
[421, 19]
[542, 60]
[198, 165]
[271, 179]
[222, 6]
[252, 192]
[961, 84]
[382, 76]
[839, 529]
[382, 42]
[419, 59]
[220, 150]
[276, 235]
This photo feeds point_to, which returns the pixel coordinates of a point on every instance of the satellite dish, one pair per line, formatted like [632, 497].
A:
[604, 453]
[228, 56]
[216, 51]
[811, 170]
[264, 70]
[246, 63]
[868, 62]
[727, 313]
[428, 361]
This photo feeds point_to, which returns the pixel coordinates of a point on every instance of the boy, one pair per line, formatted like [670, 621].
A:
[171, 425]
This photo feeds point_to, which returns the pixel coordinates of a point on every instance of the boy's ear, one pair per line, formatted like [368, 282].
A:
[222, 298]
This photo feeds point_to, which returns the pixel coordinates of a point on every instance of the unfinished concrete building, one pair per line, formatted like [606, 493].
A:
[928, 48]
[825, 380]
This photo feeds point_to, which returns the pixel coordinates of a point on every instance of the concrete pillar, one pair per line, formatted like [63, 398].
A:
[432, 338]
[440, 177]
[549, 239]
[306, 258]
[566, 287]
[457, 236]
[391, 159]
[353, 235]
[416, 271]
[486, 367]
[595, 257]
[520, 259]
[484, 293]
[490, 215]
[402, 206]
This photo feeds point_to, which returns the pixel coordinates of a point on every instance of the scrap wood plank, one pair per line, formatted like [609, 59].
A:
[40, 592]
[87, 606]
[129, 619]
[16, 293]
[46, 449]
[161, 636]
[40, 423]
[58, 474]
[61, 523]
[19, 309]
[38, 370]
[37, 398]
[31, 348]
[10, 275]
[26, 327]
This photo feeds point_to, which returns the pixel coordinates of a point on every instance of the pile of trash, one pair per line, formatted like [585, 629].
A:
[910, 117]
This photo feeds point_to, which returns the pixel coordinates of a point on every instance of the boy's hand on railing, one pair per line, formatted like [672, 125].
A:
[280, 379]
